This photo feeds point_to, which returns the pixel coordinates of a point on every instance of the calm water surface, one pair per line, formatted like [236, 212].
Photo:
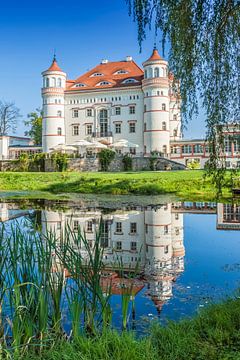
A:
[188, 253]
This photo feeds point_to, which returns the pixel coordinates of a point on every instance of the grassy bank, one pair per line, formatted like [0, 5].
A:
[213, 334]
[184, 184]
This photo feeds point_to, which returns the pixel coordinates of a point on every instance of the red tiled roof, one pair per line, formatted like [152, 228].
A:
[109, 74]
[155, 56]
[54, 66]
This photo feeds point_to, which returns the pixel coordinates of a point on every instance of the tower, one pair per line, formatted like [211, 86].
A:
[156, 105]
[53, 127]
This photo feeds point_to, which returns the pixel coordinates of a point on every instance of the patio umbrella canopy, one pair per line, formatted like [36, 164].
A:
[63, 147]
[122, 143]
[81, 143]
[96, 145]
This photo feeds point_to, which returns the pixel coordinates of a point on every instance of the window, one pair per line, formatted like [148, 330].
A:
[118, 128]
[119, 227]
[186, 149]
[80, 85]
[166, 249]
[156, 72]
[89, 112]
[164, 107]
[177, 231]
[132, 127]
[59, 82]
[133, 228]
[117, 110]
[118, 245]
[132, 150]
[59, 225]
[119, 72]
[165, 229]
[164, 126]
[59, 113]
[103, 119]
[164, 149]
[53, 80]
[59, 131]
[88, 129]
[89, 226]
[146, 228]
[75, 113]
[47, 82]
[56, 101]
[176, 216]
[129, 81]
[104, 83]
[175, 117]
[175, 132]
[145, 108]
[97, 74]
[75, 129]
[145, 127]
[131, 109]
[75, 225]
[145, 74]
[198, 149]
[133, 246]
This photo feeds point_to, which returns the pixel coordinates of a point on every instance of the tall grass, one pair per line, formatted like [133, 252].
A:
[45, 276]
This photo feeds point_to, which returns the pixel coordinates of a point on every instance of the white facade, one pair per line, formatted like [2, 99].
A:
[113, 101]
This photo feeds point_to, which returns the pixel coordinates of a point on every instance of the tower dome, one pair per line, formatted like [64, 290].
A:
[53, 127]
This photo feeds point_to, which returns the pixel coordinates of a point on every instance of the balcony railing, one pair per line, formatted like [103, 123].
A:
[102, 134]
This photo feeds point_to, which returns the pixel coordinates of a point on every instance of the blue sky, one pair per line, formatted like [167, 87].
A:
[82, 32]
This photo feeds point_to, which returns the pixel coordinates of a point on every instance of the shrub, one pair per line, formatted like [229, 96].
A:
[23, 162]
[106, 156]
[60, 161]
[193, 165]
[127, 162]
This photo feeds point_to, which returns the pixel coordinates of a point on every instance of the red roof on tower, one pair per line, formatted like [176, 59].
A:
[155, 55]
[54, 66]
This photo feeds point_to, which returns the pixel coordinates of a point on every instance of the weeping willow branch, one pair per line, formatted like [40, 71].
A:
[204, 54]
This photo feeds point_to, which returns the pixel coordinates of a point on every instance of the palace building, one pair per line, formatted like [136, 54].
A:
[122, 106]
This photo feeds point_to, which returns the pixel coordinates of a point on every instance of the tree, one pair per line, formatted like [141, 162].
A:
[35, 123]
[9, 115]
[203, 37]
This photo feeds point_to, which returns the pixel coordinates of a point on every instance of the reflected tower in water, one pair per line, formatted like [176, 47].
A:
[147, 239]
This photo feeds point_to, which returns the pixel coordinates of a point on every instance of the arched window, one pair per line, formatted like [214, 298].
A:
[59, 82]
[145, 74]
[175, 132]
[59, 131]
[156, 72]
[103, 121]
[164, 107]
[175, 117]
[150, 73]
[164, 126]
[47, 82]
[53, 80]
[59, 113]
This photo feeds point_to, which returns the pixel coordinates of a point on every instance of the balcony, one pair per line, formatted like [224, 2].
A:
[102, 134]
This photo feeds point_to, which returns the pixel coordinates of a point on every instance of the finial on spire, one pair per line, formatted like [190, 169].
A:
[54, 55]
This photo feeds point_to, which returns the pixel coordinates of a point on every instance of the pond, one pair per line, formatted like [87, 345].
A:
[178, 256]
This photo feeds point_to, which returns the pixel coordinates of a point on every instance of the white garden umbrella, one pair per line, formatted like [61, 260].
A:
[81, 143]
[122, 143]
[63, 147]
[96, 145]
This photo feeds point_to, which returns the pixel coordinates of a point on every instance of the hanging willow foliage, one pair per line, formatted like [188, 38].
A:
[204, 54]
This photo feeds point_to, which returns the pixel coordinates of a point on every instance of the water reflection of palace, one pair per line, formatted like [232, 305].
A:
[148, 238]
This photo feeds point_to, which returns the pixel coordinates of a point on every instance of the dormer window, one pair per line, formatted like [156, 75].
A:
[119, 72]
[80, 85]
[102, 83]
[96, 74]
[129, 81]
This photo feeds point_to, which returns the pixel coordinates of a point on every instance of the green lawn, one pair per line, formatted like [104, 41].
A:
[185, 184]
